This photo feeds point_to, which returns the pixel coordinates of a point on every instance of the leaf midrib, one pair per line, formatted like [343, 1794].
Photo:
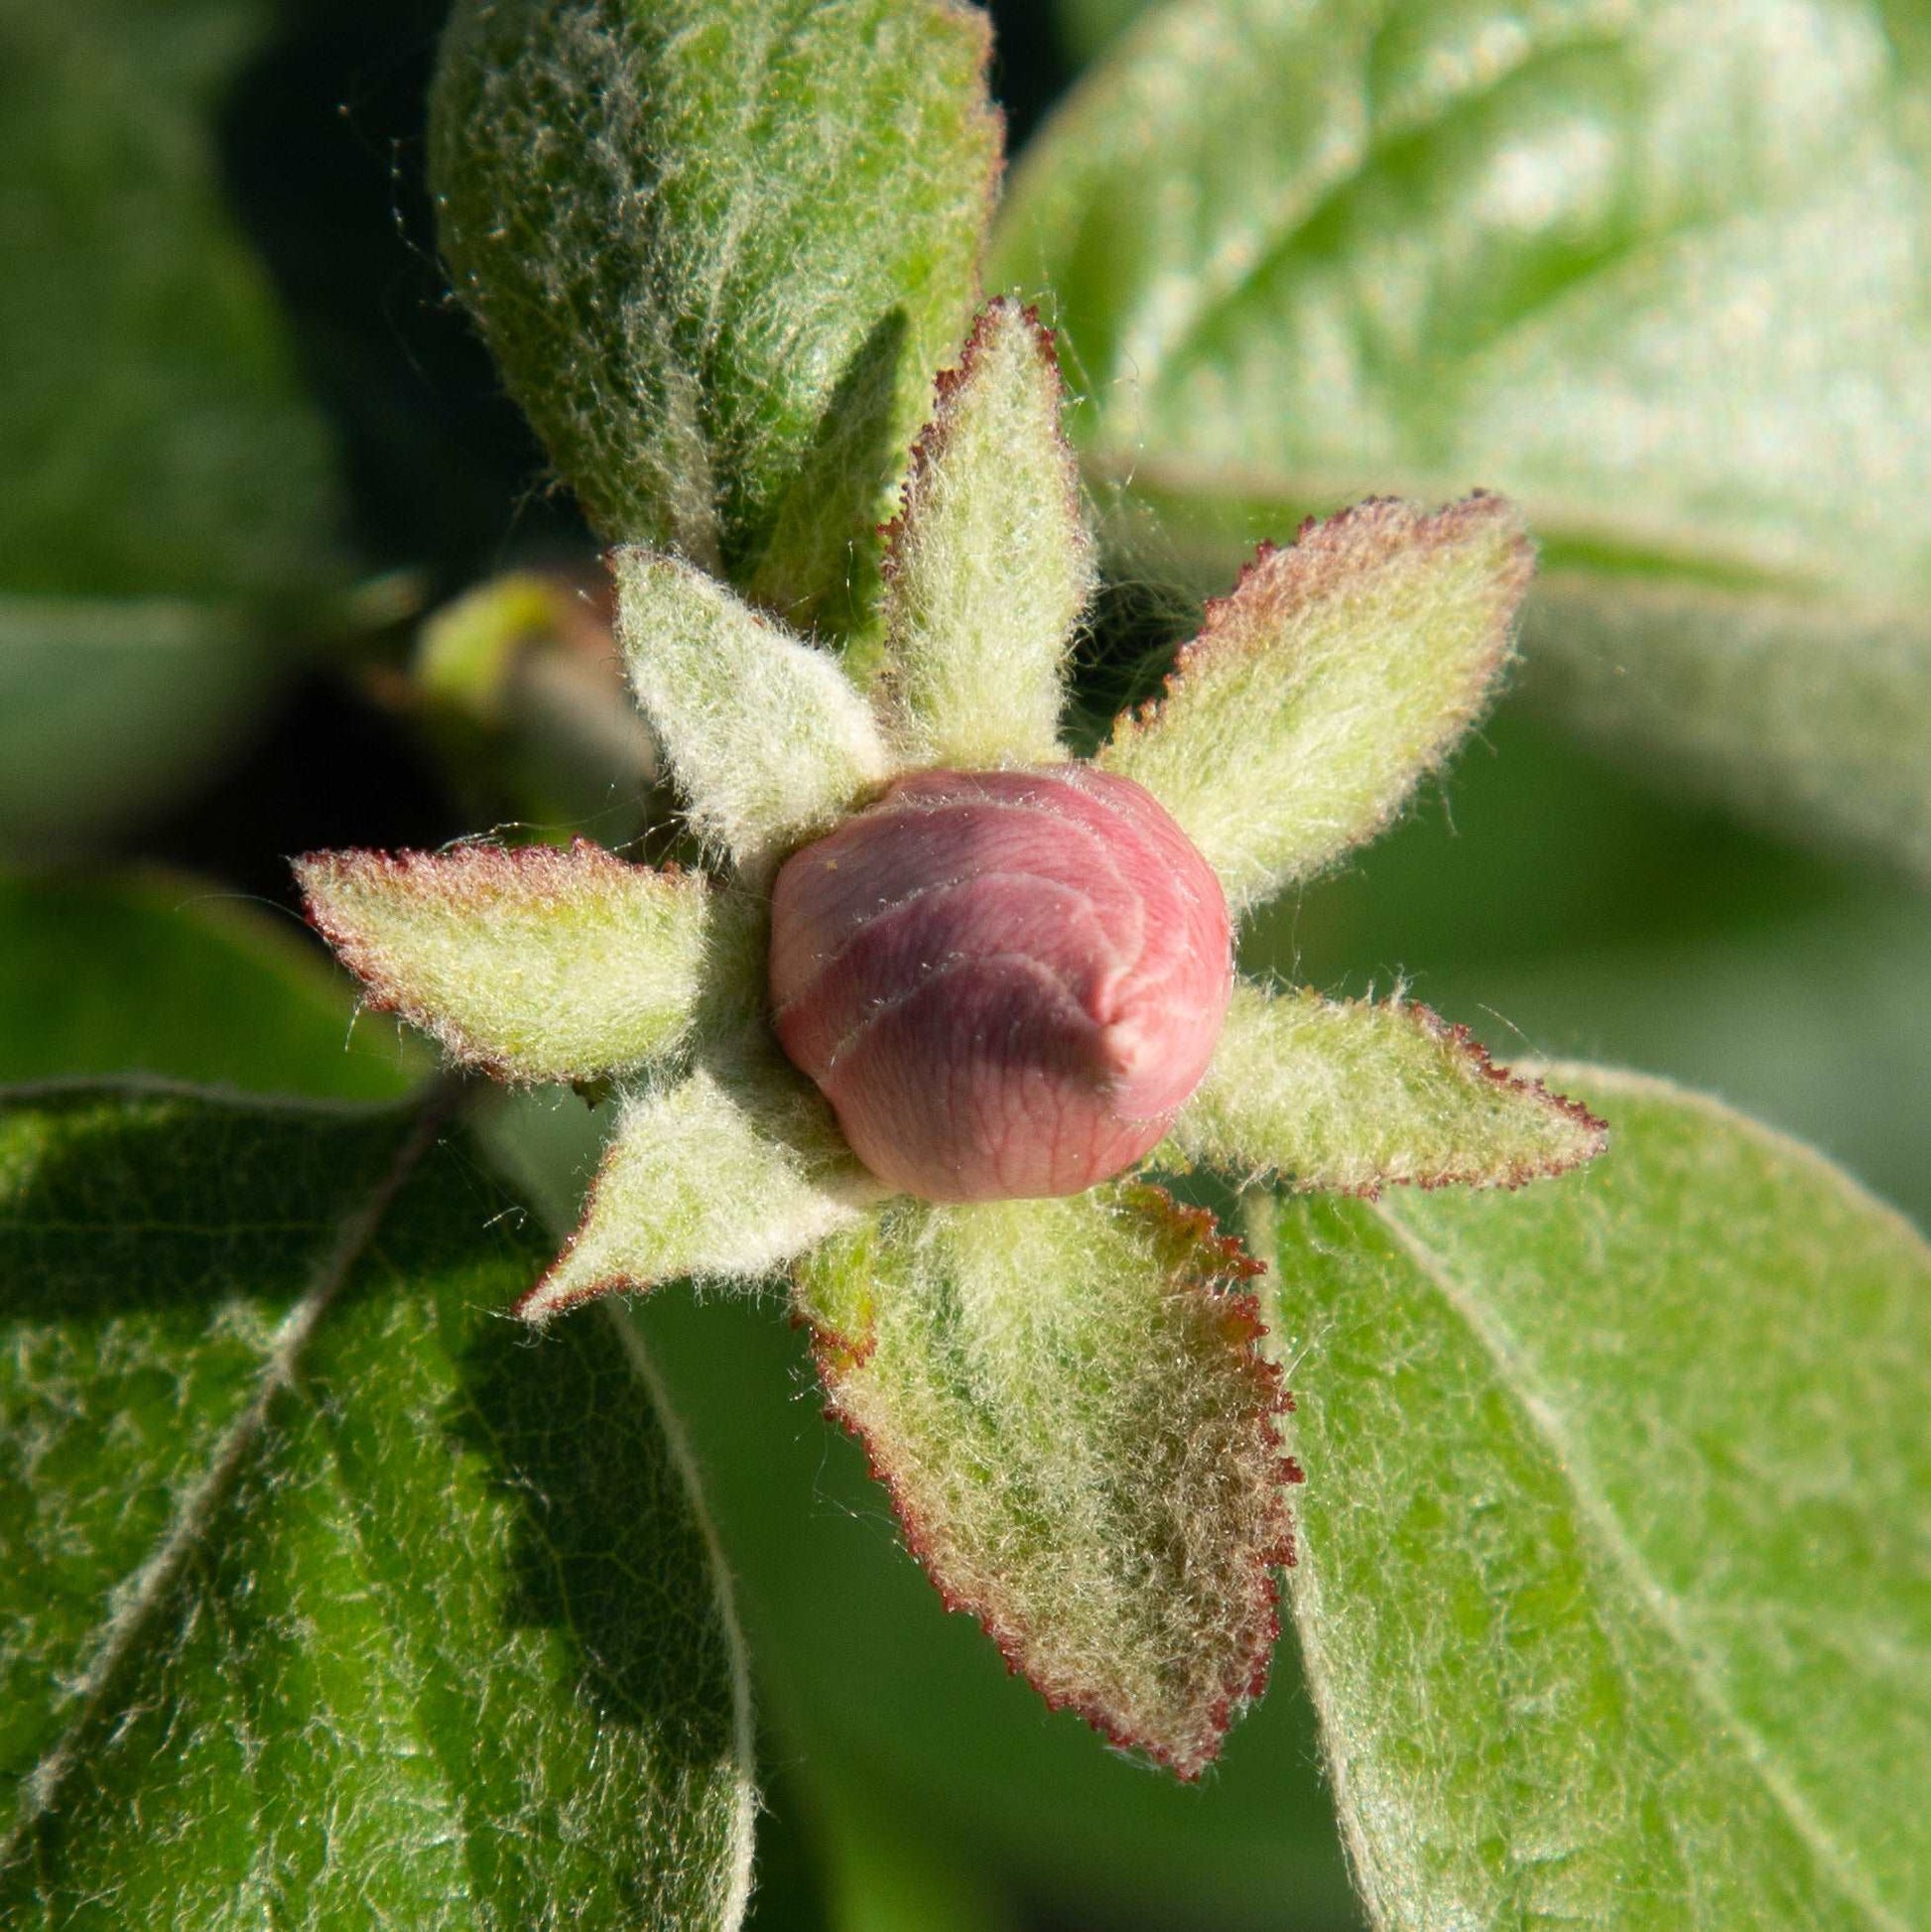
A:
[151, 1584]
[1575, 1469]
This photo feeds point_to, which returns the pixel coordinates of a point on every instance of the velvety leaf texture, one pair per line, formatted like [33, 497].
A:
[1067, 1401]
[1333, 678]
[715, 1181]
[767, 736]
[1612, 1580]
[718, 249]
[1352, 1096]
[533, 964]
[990, 564]
[326, 1600]
[1656, 270]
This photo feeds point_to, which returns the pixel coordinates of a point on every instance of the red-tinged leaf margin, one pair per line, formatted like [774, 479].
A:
[928, 450]
[1456, 1036]
[467, 880]
[1453, 1034]
[1203, 1263]
[1327, 553]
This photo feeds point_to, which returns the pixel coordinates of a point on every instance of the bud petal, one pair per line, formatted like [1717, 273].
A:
[1005, 983]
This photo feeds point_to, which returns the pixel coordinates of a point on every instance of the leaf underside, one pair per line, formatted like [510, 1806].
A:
[1067, 1402]
[324, 1597]
[1350, 1095]
[533, 964]
[1611, 1585]
[988, 563]
[1328, 684]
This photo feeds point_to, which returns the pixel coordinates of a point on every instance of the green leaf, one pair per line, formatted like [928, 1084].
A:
[533, 964]
[860, 1666]
[1334, 678]
[1352, 1095]
[1612, 1544]
[328, 1600]
[768, 738]
[990, 562]
[718, 249]
[1654, 270]
[720, 1178]
[1075, 1423]
[165, 470]
[159, 974]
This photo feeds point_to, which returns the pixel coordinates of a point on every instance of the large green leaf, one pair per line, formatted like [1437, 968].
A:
[329, 1599]
[719, 248]
[153, 973]
[164, 470]
[1612, 1580]
[1656, 270]
[866, 1677]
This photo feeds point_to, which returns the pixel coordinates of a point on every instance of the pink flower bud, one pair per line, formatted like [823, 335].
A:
[1005, 983]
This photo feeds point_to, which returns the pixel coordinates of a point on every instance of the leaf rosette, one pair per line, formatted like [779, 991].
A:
[1064, 1390]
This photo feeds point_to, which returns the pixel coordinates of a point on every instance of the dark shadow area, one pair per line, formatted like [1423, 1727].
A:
[168, 1204]
[606, 1551]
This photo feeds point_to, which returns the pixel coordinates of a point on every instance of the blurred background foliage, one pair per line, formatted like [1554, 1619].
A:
[252, 449]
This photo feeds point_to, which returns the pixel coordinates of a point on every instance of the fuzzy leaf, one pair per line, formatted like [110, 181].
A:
[1334, 678]
[990, 564]
[723, 1178]
[1351, 1095]
[719, 248]
[1657, 271]
[1613, 1586]
[532, 964]
[326, 1598]
[769, 738]
[1070, 1409]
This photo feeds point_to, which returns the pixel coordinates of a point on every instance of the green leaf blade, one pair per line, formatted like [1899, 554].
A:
[534, 964]
[173, 499]
[1648, 269]
[722, 1179]
[988, 565]
[769, 738]
[1078, 1433]
[1328, 684]
[700, 237]
[1714, 1712]
[345, 1619]
[1351, 1095]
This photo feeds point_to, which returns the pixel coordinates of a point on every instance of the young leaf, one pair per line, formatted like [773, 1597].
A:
[724, 1181]
[990, 564]
[719, 248]
[1350, 1095]
[533, 964]
[1067, 1402]
[1611, 1585]
[326, 1599]
[1333, 678]
[1656, 271]
[769, 738]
